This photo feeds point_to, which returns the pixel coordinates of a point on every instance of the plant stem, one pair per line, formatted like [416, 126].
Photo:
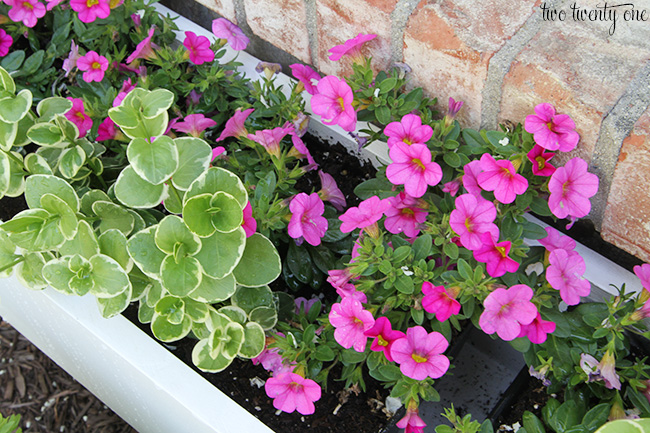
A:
[11, 265]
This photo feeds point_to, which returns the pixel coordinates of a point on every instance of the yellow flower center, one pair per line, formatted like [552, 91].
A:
[468, 224]
[96, 65]
[91, 3]
[381, 341]
[419, 359]
[407, 141]
[80, 115]
[419, 163]
[549, 125]
[541, 162]
[502, 251]
[341, 103]
[28, 5]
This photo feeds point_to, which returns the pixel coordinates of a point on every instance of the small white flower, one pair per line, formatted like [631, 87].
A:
[406, 271]
[376, 92]
[538, 268]
[504, 141]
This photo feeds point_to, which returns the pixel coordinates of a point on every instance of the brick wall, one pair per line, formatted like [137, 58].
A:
[502, 57]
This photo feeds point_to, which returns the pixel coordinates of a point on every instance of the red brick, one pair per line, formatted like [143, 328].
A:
[282, 23]
[626, 223]
[339, 21]
[225, 8]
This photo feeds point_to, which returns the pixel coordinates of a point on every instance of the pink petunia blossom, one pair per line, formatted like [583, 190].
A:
[304, 304]
[198, 48]
[502, 178]
[539, 159]
[89, 10]
[5, 42]
[420, 354]
[411, 422]
[555, 240]
[306, 76]
[333, 103]
[249, 224]
[51, 4]
[78, 116]
[350, 291]
[472, 217]
[71, 62]
[291, 391]
[93, 65]
[565, 274]
[271, 359]
[404, 215]
[106, 130]
[384, 335]
[127, 86]
[470, 178]
[224, 29]
[351, 47]
[330, 191]
[299, 149]
[607, 367]
[643, 272]
[451, 187]
[369, 212]
[27, 11]
[145, 49]
[453, 107]
[413, 168]
[552, 131]
[270, 139]
[300, 124]
[409, 130]
[439, 301]
[506, 310]
[495, 256]
[339, 277]
[571, 187]
[351, 322]
[235, 125]
[307, 218]
[194, 124]
[537, 330]
[193, 98]
[217, 151]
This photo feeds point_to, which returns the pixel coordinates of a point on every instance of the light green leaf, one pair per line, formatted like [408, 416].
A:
[174, 202]
[83, 243]
[221, 252]
[6, 82]
[172, 234]
[180, 276]
[196, 215]
[254, 341]
[123, 115]
[30, 271]
[36, 164]
[113, 216]
[145, 312]
[5, 173]
[23, 126]
[110, 307]
[234, 313]
[154, 161]
[249, 298]
[67, 220]
[165, 331]
[194, 157]
[138, 221]
[37, 185]
[172, 308]
[71, 161]
[8, 132]
[14, 108]
[212, 290]
[7, 254]
[91, 197]
[109, 277]
[267, 317]
[17, 178]
[260, 263]
[156, 102]
[144, 252]
[202, 359]
[197, 311]
[226, 212]
[58, 275]
[46, 134]
[48, 108]
[148, 128]
[135, 192]
[218, 179]
[112, 243]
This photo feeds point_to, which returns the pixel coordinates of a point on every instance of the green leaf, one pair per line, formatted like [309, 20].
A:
[112, 243]
[172, 308]
[67, 220]
[212, 290]
[34, 230]
[83, 243]
[324, 353]
[596, 416]
[540, 207]
[6, 82]
[172, 234]
[387, 85]
[383, 115]
[113, 216]
[91, 197]
[451, 250]
[109, 277]
[31, 65]
[57, 275]
[250, 298]
[154, 161]
[5, 173]
[267, 317]
[144, 252]
[404, 284]
[221, 252]
[110, 307]
[532, 424]
[71, 161]
[197, 217]
[14, 108]
[254, 341]
[194, 156]
[30, 271]
[567, 416]
[46, 134]
[202, 358]
[124, 116]
[452, 159]
[36, 164]
[371, 187]
[533, 231]
[260, 263]
[8, 132]
[226, 212]
[135, 192]
[422, 247]
[218, 179]
[49, 108]
[234, 313]
[156, 102]
[165, 331]
[36, 186]
[180, 276]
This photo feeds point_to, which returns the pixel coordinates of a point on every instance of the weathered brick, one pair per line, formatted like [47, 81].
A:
[339, 21]
[225, 8]
[627, 217]
[282, 23]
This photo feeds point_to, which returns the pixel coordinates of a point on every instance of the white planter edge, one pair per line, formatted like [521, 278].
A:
[134, 375]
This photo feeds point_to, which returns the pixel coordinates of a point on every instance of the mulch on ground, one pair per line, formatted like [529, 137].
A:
[47, 398]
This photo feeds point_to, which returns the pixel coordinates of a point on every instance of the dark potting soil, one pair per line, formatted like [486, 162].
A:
[10, 206]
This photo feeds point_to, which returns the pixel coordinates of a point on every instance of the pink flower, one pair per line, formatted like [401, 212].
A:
[89, 10]
[571, 187]
[351, 47]
[224, 29]
[93, 66]
[27, 11]
[272, 361]
[194, 124]
[502, 178]
[290, 392]
[384, 335]
[369, 212]
[307, 76]
[217, 151]
[552, 131]
[307, 218]
[198, 48]
[420, 354]
[338, 278]
[607, 366]
[438, 301]
[106, 130]
[412, 423]
[470, 178]
[537, 330]
[643, 272]
[299, 149]
[350, 291]
[413, 168]
[249, 224]
[334, 103]
[451, 187]
[351, 322]
[127, 86]
[330, 191]
[453, 107]
[409, 130]
[77, 115]
[404, 215]
[495, 256]
[555, 240]
[235, 125]
[472, 217]
[304, 304]
[51, 4]
[71, 62]
[145, 49]
[270, 139]
[565, 274]
[506, 310]
[5, 42]
[539, 160]
[193, 98]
